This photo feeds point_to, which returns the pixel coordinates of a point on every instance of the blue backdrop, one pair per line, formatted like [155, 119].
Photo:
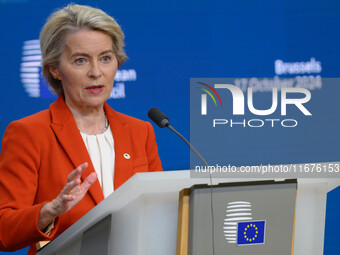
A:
[168, 42]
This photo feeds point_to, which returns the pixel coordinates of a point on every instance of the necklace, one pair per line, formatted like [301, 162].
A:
[105, 128]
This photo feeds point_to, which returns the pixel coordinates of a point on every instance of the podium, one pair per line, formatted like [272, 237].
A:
[140, 217]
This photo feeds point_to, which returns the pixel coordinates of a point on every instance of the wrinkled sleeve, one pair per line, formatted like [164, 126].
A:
[152, 151]
[19, 168]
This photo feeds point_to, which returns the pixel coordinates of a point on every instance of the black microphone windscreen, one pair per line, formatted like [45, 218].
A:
[158, 117]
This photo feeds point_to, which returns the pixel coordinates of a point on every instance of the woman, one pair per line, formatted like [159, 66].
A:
[59, 163]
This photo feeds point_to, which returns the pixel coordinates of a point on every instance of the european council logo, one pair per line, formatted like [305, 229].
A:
[251, 232]
[237, 211]
[30, 71]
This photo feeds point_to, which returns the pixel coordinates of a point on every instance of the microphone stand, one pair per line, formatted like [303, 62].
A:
[210, 177]
[191, 147]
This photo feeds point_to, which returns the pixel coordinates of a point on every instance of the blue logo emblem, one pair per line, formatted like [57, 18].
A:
[251, 232]
[30, 71]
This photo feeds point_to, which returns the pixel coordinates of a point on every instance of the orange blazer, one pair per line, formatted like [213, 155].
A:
[38, 153]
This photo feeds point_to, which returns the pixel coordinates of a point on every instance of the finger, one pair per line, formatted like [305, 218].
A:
[70, 186]
[89, 181]
[68, 198]
[76, 173]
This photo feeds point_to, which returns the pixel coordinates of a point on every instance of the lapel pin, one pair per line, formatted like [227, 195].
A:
[127, 156]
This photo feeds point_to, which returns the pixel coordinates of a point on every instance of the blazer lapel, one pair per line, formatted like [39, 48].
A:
[66, 130]
[122, 145]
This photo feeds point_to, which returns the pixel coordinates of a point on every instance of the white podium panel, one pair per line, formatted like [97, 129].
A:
[142, 216]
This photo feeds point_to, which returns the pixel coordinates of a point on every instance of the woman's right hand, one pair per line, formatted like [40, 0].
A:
[70, 195]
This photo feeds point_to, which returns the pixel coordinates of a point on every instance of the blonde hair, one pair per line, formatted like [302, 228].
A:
[70, 19]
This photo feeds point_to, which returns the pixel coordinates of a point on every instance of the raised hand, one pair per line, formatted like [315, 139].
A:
[70, 195]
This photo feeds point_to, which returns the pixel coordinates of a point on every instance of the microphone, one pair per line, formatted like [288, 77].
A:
[158, 117]
[162, 121]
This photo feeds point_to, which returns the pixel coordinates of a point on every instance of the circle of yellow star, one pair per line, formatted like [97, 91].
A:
[248, 238]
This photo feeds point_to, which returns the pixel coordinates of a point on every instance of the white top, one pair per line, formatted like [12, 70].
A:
[101, 150]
